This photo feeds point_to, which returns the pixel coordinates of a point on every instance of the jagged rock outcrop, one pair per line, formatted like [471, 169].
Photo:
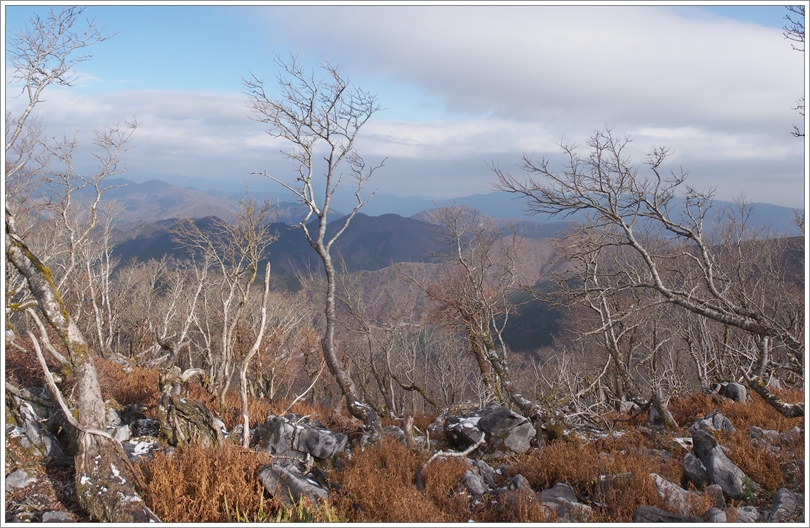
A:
[32, 412]
[679, 499]
[563, 501]
[651, 514]
[504, 431]
[719, 469]
[714, 421]
[297, 436]
[183, 420]
[787, 506]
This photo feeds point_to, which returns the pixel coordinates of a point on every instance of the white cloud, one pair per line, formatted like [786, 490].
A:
[510, 80]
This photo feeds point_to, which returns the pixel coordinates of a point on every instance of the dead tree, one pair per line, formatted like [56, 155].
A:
[312, 114]
[670, 250]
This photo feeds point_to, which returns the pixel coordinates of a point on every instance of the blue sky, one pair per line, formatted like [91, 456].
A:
[462, 86]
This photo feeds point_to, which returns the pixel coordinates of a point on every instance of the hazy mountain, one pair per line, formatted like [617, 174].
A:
[156, 200]
[369, 243]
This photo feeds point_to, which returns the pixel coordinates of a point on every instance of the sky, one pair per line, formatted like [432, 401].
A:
[462, 87]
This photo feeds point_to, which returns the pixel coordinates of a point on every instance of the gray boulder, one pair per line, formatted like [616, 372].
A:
[18, 479]
[678, 499]
[187, 421]
[318, 442]
[694, 471]
[57, 517]
[714, 421]
[144, 427]
[289, 482]
[733, 391]
[296, 436]
[121, 432]
[274, 436]
[719, 469]
[462, 432]
[747, 514]
[563, 501]
[714, 515]
[504, 430]
[395, 432]
[474, 483]
[32, 433]
[787, 506]
[486, 472]
[518, 483]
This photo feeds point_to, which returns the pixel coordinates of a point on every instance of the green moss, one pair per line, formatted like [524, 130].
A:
[748, 490]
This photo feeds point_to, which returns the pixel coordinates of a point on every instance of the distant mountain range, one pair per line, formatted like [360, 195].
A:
[369, 243]
[156, 200]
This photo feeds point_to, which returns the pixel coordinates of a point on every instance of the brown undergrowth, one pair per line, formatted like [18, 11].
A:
[767, 466]
[376, 483]
[193, 484]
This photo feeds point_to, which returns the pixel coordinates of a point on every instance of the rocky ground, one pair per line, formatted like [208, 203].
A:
[488, 441]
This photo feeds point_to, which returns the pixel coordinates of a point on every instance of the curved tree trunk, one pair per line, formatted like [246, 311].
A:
[105, 479]
[360, 410]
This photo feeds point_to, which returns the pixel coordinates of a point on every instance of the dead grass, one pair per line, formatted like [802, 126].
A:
[377, 486]
[377, 483]
[138, 386]
[22, 369]
[194, 483]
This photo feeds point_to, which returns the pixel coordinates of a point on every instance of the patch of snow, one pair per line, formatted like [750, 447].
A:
[142, 448]
[115, 471]
[85, 480]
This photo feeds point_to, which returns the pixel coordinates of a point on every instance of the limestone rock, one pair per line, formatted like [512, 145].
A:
[733, 391]
[694, 471]
[144, 427]
[748, 514]
[562, 499]
[19, 479]
[787, 506]
[719, 469]
[504, 430]
[57, 517]
[474, 483]
[714, 515]
[289, 482]
[187, 421]
[714, 421]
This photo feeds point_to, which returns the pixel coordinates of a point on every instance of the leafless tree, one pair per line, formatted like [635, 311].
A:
[794, 31]
[313, 114]
[474, 294]
[42, 54]
[233, 251]
[668, 249]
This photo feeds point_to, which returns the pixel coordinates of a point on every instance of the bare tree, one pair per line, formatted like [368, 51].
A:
[43, 54]
[668, 247]
[313, 113]
[794, 31]
[474, 295]
[234, 250]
